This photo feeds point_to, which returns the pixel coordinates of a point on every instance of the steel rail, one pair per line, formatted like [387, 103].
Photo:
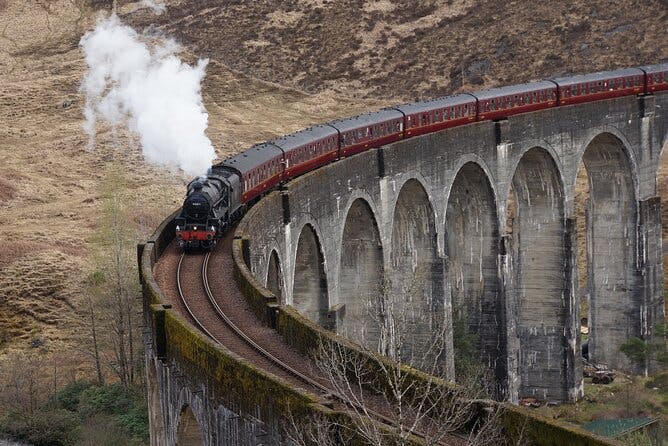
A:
[254, 345]
[185, 303]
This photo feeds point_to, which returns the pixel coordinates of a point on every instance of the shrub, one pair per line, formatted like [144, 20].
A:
[57, 427]
[111, 399]
[68, 397]
[135, 421]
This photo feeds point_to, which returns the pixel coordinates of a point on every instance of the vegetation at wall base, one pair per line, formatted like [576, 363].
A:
[76, 413]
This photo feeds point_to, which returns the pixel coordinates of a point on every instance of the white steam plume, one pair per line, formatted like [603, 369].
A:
[157, 6]
[140, 82]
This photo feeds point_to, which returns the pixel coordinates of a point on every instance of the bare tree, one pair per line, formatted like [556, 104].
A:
[313, 430]
[387, 382]
[112, 322]
[94, 344]
[23, 384]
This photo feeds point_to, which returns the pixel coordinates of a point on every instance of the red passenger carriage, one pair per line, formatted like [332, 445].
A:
[438, 114]
[369, 130]
[498, 103]
[308, 149]
[603, 85]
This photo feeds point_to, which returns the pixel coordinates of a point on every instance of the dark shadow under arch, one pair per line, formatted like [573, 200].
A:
[611, 242]
[275, 276]
[189, 432]
[540, 289]
[361, 275]
[309, 293]
[416, 281]
[472, 233]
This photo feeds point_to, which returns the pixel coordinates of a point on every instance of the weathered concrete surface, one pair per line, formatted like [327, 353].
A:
[185, 410]
[435, 208]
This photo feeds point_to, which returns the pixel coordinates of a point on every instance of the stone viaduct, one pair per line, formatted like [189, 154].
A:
[474, 225]
[480, 220]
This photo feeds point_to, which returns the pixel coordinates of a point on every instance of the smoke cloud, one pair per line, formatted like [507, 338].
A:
[140, 82]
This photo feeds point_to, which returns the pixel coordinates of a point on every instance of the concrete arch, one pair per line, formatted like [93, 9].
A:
[275, 282]
[472, 158]
[611, 225]
[309, 291]
[359, 194]
[559, 168]
[189, 432]
[361, 274]
[539, 264]
[626, 146]
[379, 217]
[424, 183]
[416, 281]
[472, 249]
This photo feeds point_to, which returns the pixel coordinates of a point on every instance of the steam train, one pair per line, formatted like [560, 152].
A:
[217, 200]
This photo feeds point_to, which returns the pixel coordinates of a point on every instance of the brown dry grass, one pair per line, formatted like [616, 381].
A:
[50, 185]
[406, 49]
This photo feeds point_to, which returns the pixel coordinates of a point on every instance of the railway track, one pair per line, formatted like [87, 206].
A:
[320, 389]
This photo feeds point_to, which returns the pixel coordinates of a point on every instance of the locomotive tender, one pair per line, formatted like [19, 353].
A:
[217, 200]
